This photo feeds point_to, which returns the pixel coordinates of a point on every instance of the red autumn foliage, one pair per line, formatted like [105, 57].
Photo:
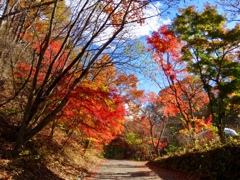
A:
[184, 94]
[98, 113]
[164, 41]
[24, 68]
[92, 107]
[188, 97]
[203, 124]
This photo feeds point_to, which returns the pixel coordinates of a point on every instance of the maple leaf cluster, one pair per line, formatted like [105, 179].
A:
[95, 107]
[98, 113]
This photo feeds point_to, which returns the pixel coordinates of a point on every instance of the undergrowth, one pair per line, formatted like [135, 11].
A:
[218, 163]
[60, 157]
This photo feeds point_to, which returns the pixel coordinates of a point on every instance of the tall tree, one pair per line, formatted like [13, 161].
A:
[93, 27]
[183, 94]
[211, 52]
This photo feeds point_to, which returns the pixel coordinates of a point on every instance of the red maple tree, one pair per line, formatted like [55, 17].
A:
[184, 93]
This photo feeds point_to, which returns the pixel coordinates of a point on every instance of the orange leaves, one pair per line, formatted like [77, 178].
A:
[125, 10]
[128, 83]
[200, 124]
[150, 98]
[169, 104]
[186, 96]
[99, 114]
[184, 93]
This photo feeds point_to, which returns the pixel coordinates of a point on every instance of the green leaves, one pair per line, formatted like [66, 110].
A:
[211, 52]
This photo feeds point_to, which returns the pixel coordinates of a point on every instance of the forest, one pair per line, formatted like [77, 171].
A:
[70, 74]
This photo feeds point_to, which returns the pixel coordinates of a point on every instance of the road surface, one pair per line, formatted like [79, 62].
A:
[125, 169]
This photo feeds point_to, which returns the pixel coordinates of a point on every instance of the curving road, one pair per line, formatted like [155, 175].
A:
[125, 169]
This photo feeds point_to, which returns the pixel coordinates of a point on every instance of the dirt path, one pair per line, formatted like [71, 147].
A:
[124, 169]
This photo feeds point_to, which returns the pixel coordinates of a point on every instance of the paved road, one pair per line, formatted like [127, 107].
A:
[124, 169]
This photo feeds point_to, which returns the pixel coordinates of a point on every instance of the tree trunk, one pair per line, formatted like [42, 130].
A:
[221, 133]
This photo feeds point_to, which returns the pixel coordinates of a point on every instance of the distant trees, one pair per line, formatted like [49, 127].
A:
[156, 122]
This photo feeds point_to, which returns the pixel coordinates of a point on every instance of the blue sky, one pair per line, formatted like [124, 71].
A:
[135, 31]
[145, 83]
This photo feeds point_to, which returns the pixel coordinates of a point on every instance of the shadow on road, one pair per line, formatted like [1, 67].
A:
[169, 174]
[123, 169]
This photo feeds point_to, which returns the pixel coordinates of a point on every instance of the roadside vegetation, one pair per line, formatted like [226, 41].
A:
[69, 94]
[61, 157]
[215, 163]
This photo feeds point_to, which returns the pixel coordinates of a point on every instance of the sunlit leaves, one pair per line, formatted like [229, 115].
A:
[68, 47]
[98, 113]
[211, 52]
[187, 98]
[183, 94]
[125, 10]
[164, 42]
